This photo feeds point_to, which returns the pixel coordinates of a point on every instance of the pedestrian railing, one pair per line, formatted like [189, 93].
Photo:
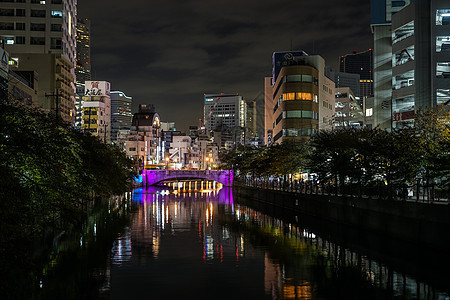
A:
[418, 192]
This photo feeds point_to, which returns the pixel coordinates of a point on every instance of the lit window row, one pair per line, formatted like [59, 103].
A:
[297, 78]
[300, 96]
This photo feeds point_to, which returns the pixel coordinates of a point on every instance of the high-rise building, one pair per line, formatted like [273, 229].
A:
[350, 80]
[40, 37]
[97, 109]
[420, 59]
[299, 98]
[362, 64]
[224, 117]
[251, 121]
[83, 59]
[121, 117]
[381, 12]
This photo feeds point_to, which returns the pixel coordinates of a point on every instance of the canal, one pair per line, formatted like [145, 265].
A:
[196, 241]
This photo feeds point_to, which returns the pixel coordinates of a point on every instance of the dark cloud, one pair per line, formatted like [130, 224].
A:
[169, 53]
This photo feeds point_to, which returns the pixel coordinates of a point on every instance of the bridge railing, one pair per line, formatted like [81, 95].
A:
[154, 176]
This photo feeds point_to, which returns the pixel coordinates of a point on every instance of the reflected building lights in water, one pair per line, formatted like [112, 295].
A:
[304, 241]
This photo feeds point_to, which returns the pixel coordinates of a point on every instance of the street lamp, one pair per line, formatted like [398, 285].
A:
[207, 159]
[167, 163]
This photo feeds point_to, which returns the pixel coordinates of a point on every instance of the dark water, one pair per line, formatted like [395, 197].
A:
[209, 245]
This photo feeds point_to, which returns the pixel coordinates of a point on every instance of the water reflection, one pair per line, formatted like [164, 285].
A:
[191, 240]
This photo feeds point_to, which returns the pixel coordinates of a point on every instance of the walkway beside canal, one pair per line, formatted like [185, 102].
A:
[426, 224]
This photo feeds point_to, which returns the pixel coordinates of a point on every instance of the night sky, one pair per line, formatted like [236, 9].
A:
[169, 53]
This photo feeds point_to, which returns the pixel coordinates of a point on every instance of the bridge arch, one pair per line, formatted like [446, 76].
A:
[153, 177]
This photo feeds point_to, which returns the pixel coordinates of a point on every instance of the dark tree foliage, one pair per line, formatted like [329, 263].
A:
[48, 172]
[276, 160]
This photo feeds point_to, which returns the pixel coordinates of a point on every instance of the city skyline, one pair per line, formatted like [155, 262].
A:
[170, 54]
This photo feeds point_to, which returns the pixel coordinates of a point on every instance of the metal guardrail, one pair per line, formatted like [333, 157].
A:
[421, 193]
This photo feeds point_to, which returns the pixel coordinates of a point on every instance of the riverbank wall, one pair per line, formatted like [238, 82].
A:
[424, 224]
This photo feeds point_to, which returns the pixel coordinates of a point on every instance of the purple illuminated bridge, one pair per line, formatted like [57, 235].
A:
[153, 177]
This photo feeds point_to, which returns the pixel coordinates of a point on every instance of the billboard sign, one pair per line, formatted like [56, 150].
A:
[97, 88]
[283, 59]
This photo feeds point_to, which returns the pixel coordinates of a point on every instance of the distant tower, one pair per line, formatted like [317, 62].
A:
[225, 113]
[83, 66]
[362, 64]
[121, 117]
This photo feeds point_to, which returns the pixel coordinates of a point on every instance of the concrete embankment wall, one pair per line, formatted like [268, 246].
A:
[422, 223]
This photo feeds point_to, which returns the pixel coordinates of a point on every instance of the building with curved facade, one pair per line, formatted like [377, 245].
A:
[299, 98]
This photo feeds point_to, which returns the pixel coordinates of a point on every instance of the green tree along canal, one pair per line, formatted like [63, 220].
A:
[161, 243]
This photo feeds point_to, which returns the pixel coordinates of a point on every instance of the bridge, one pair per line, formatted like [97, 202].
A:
[153, 177]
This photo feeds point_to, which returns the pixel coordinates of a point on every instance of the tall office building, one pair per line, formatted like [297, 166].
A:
[360, 63]
[420, 59]
[224, 117]
[381, 12]
[83, 59]
[97, 109]
[40, 37]
[299, 98]
[121, 117]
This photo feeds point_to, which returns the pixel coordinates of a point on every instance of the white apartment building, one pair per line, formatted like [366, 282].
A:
[96, 108]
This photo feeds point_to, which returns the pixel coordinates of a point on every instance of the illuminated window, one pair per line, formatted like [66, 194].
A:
[403, 32]
[403, 80]
[443, 17]
[402, 57]
[369, 112]
[289, 96]
[57, 14]
[304, 96]
[443, 69]
[443, 43]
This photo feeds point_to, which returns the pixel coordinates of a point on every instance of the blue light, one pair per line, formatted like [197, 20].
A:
[138, 179]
